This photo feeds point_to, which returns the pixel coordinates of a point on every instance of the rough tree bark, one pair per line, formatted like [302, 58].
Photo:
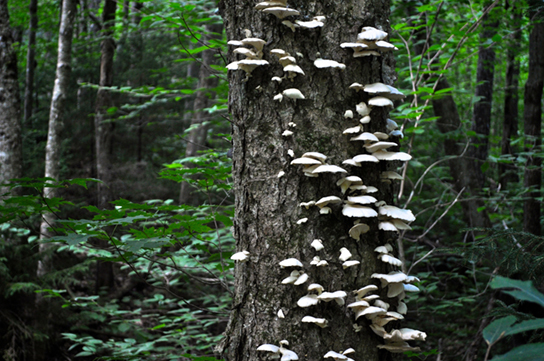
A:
[11, 153]
[481, 115]
[206, 81]
[56, 121]
[532, 116]
[267, 206]
[510, 122]
[31, 58]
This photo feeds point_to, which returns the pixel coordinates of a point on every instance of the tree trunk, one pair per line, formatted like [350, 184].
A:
[104, 132]
[56, 121]
[30, 58]
[532, 116]
[11, 153]
[463, 169]
[269, 223]
[103, 127]
[481, 116]
[510, 122]
[197, 137]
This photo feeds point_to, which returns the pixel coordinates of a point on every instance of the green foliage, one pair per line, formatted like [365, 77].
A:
[509, 325]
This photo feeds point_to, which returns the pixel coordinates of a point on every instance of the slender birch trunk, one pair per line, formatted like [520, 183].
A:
[11, 154]
[56, 119]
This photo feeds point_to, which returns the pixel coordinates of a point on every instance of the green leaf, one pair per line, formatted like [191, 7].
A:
[497, 329]
[530, 352]
[72, 239]
[528, 325]
[525, 289]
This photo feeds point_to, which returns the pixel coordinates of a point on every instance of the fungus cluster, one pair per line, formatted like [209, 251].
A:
[369, 42]
[354, 200]
[254, 56]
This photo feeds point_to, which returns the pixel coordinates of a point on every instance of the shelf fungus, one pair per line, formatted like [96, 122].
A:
[281, 12]
[240, 256]
[325, 63]
[314, 290]
[346, 182]
[286, 355]
[355, 210]
[323, 202]
[318, 262]
[358, 229]
[317, 244]
[339, 356]
[321, 322]
[337, 296]
[316, 22]
[290, 262]
[297, 278]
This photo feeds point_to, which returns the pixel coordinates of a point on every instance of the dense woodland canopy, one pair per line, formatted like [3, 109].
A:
[116, 159]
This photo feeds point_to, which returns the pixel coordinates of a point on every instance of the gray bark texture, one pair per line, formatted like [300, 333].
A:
[56, 114]
[11, 153]
[267, 206]
[206, 81]
[532, 127]
[103, 126]
[31, 58]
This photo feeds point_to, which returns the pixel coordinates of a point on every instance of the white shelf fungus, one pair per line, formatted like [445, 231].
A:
[281, 12]
[321, 322]
[317, 244]
[345, 254]
[325, 63]
[293, 93]
[240, 256]
[290, 262]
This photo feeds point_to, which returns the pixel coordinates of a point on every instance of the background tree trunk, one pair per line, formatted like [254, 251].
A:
[207, 80]
[56, 121]
[103, 128]
[463, 169]
[481, 116]
[104, 131]
[532, 126]
[11, 154]
[510, 123]
[31, 58]
[267, 206]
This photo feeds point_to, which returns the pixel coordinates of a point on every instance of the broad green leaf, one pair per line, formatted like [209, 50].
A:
[525, 289]
[530, 352]
[497, 329]
[523, 326]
